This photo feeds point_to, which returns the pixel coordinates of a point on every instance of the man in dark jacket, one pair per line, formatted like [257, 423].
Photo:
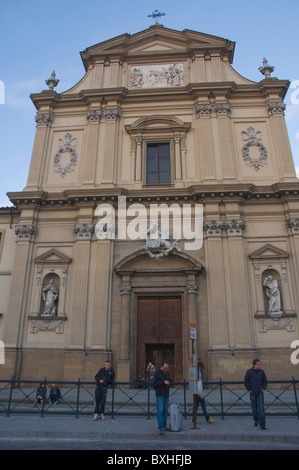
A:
[104, 378]
[161, 383]
[256, 381]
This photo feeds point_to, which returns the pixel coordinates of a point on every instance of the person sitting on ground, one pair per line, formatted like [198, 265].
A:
[55, 394]
[41, 394]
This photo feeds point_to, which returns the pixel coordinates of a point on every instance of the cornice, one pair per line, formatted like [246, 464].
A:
[273, 86]
[269, 89]
[46, 98]
[201, 192]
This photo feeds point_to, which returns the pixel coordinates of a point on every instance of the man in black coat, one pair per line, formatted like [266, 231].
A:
[161, 383]
[104, 378]
[256, 381]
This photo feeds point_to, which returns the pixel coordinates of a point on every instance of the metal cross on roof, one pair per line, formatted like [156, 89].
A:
[156, 14]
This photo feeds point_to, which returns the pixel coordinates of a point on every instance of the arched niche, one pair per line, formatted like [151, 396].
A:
[273, 292]
[49, 305]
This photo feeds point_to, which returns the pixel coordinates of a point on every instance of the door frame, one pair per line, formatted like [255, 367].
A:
[139, 276]
[177, 345]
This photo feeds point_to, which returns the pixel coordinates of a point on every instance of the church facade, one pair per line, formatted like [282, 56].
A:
[160, 120]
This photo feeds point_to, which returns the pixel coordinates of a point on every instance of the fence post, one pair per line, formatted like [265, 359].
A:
[113, 395]
[295, 393]
[185, 401]
[10, 395]
[43, 404]
[148, 399]
[221, 398]
[78, 397]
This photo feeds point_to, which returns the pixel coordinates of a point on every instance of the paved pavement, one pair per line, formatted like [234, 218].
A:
[138, 431]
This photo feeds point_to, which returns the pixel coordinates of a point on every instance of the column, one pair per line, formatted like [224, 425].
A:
[100, 338]
[225, 140]
[18, 306]
[178, 161]
[93, 117]
[112, 117]
[81, 260]
[218, 327]
[124, 363]
[138, 166]
[280, 135]
[14, 322]
[38, 157]
[239, 284]
[205, 144]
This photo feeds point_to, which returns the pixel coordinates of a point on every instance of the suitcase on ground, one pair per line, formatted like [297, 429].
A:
[175, 417]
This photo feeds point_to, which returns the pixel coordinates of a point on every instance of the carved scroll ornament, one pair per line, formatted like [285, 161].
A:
[253, 139]
[66, 146]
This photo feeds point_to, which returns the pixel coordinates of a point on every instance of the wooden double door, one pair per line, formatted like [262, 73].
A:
[159, 335]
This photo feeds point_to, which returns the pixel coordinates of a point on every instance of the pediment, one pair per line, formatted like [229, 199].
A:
[175, 262]
[154, 40]
[269, 252]
[54, 257]
[157, 123]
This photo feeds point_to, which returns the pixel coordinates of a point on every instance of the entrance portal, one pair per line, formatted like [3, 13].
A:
[159, 335]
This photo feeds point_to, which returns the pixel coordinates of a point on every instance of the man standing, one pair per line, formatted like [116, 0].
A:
[161, 384]
[104, 378]
[256, 381]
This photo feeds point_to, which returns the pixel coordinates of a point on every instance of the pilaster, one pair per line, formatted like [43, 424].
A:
[94, 117]
[216, 293]
[205, 142]
[112, 116]
[81, 266]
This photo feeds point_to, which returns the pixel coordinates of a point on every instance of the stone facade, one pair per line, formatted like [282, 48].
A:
[69, 299]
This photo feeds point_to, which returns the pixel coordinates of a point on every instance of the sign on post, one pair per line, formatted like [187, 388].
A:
[193, 379]
[192, 331]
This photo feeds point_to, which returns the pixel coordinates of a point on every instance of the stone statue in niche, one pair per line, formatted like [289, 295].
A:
[273, 294]
[50, 297]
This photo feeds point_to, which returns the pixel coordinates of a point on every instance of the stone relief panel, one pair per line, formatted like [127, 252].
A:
[148, 76]
[252, 139]
[66, 146]
[64, 158]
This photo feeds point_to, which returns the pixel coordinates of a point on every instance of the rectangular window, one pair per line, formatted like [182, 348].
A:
[158, 163]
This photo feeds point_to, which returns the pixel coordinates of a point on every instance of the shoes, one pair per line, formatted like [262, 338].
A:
[102, 416]
[95, 417]
[263, 428]
[256, 423]
[161, 431]
[211, 420]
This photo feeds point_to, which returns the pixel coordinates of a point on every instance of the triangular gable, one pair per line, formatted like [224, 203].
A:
[158, 38]
[53, 256]
[269, 252]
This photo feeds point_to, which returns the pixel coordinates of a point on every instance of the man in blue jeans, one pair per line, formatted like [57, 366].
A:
[161, 383]
[256, 381]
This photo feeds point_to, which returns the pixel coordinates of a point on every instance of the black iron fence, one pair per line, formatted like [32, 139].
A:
[138, 398]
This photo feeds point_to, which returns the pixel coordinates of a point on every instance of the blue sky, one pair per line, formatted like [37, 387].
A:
[37, 36]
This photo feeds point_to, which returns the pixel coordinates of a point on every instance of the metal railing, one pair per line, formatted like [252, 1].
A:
[138, 398]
